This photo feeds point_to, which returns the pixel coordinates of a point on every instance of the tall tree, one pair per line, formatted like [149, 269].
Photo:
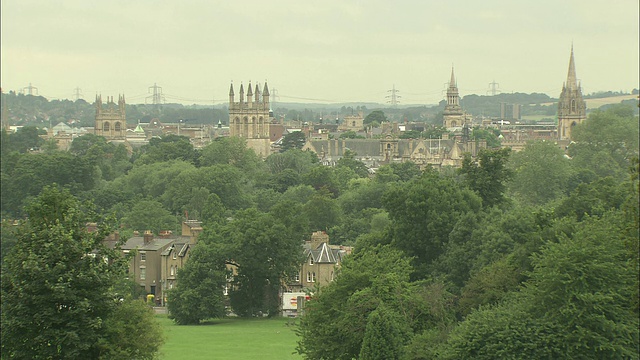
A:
[487, 176]
[423, 213]
[57, 289]
[541, 172]
[199, 293]
[294, 140]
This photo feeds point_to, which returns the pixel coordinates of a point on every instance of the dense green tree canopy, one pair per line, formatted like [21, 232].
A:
[57, 297]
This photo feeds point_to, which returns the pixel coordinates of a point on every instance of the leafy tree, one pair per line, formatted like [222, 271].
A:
[57, 290]
[487, 176]
[322, 211]
[199, 294]
[541, 172]
[423, 212]
[606, 142]
[350, 135]
[149, 215]
[293, 140]
[411, 134]
[576, 305]
[25, 139]
[348, 160]
[377, 116]
[335, 321]
[265, 250]
[490, 135]
[229, 151]
[169, 147]
[382, 337]
[32, 172]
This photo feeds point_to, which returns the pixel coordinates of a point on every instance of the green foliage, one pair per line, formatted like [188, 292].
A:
[169, 147]
[335, 319]
[488, 175]
[229, 151]
[57, 298]
[149, 215]
[25, 139]
[132, 332]
[382, 337]
[198, 294]
[350, 135]
[423, 213]
[490, 135]
[32, 172]
[376, 116]
[576, 305]
[541, 173]
[266, 249]
[294, 140]
[606, 142]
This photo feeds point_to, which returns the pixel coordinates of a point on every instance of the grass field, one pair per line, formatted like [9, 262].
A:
[238, 339]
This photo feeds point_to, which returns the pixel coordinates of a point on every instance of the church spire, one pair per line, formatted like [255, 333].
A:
[452, 82]
[572, 81]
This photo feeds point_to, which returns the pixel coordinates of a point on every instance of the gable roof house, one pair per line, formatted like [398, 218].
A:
[321, 262]
[158, 257]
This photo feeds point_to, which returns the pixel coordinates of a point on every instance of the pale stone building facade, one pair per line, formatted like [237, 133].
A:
[250, 119]
[111, 120]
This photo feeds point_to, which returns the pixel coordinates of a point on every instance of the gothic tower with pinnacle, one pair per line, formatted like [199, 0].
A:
[572, 109]
[111, 121]
[249, 117]
[454, 117]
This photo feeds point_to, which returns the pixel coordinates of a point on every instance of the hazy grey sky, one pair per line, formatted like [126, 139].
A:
[320, 51]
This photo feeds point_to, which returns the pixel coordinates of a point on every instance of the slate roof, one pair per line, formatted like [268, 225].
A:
[324, 254]
[137, 242]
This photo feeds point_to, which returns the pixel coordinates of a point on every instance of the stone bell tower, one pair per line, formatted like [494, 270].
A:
[249, 117]
[111, 121]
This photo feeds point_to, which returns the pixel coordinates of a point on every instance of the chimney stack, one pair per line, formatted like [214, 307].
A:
[148, 237]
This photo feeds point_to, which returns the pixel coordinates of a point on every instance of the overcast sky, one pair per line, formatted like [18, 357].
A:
[315, 51]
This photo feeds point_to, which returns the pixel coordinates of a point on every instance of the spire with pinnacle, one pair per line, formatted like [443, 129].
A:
[572, 81]
[452, 82]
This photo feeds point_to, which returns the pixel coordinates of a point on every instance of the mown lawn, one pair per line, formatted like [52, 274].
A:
[237, 339]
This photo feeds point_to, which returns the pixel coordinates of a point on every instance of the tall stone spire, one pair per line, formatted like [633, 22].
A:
[572, 81]
[452, 82]
[572, 109]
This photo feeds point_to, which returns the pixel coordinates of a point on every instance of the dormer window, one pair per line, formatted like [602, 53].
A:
[175, 254]
[311, 260]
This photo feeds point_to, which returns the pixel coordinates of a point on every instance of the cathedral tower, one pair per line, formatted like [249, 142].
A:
[249, 118]
[453, 114]
[572, 109]
[111, 121]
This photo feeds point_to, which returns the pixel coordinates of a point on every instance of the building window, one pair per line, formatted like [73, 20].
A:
[143, 256]
[308, 276]
[170, 284]
[297, 279]
[143, 273]
[311, 260]
[313, 277]
[173, 270]
[175, 254]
